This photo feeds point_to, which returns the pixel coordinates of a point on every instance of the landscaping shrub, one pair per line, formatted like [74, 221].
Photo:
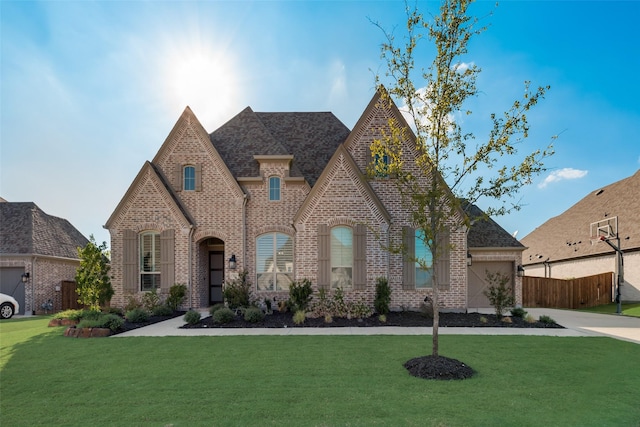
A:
[177, 294]
[162, 310]
[116, 310]
[132, 303]
[299, 317]
[253, 315]
[382, 318]
[500, 296]
[300, 294]
[192, 317]
[90, 314]
[359, 309]
[383, 296]
[546, 319]
[530, 319]
[103, 320]
[223, 315]
[150, 300]
[69, 314]
[237, 293]
[137, 315]
[215, 308]
[518, 312]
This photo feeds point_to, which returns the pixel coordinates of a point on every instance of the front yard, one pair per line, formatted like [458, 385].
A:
[47, 379]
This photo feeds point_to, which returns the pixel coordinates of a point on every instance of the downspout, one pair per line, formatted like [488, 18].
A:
[33, 286]
[244, 232]
[190, 256]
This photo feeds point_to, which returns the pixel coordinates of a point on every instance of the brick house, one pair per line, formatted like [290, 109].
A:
[284, 197]
[40, 245]
[562, 248]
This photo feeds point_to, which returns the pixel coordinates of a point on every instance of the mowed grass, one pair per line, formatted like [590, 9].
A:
[49, 380]
[627, 309]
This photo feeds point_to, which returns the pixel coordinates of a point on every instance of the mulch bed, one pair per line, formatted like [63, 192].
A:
[403, 318]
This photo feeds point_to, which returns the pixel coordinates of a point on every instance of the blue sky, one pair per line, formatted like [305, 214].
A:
[90, 90]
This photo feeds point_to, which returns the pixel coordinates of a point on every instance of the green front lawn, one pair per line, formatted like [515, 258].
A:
[627, 309]
[47, 379]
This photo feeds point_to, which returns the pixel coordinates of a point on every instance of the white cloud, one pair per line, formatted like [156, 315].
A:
[562, 174]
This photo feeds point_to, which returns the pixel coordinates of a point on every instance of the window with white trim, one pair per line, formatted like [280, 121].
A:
[149, 261]
[274, 262]
[341, 257]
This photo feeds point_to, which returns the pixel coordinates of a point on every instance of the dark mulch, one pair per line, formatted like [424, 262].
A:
[128, 326]
[403, 318]
[438, 368]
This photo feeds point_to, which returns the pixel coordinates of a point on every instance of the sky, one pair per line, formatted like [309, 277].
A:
[90, 89]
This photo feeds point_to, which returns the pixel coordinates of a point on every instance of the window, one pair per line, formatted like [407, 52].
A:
[424, 277]
[189, 178]
[150, 260]
[382, 165]
[274, 188]
[274, 262]
[341, 257]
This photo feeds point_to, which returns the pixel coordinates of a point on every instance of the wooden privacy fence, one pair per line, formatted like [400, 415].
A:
[574, 293]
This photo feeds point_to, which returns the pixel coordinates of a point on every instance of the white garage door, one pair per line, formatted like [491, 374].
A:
[478, 281]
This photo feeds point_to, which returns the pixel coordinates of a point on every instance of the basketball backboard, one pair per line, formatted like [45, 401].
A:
[604, 229]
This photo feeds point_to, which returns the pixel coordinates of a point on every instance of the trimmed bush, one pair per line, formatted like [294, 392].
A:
[162, 310]
[137, 315]
[215, 308]
[253, 315]
[192, 317]
[519, 312]
[300, 294]
[177, 294]
[383, 296]
[150, 300]
[237, 293]
[108, 321]
[546, 319]
[223, 315]
[69, 314]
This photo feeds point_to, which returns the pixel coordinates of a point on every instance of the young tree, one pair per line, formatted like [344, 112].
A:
[94, 284]
[459, 171]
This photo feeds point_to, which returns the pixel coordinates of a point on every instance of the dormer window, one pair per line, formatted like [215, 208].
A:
[189, 178]
[274, 188]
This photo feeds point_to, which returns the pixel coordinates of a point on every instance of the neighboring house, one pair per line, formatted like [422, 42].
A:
[566, 247]
[40, 245]
[283, 196]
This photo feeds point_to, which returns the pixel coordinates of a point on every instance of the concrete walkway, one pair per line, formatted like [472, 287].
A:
[577, 324]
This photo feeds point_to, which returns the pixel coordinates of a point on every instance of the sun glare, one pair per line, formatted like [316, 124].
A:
[204, 80]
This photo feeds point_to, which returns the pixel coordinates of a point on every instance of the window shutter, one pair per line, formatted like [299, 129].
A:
[324, 257]
[130, 261]
[177, 178]
[198, 177]
[167, 260]
[443, 263]
[408, 263]
[360, 257]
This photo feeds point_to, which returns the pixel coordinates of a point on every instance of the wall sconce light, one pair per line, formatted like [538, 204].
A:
[520, 271]
[232, 262]
[469, 259]
[25, 277]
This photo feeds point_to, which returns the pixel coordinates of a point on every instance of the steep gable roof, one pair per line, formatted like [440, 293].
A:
[26, 229]
[566, 236]
[486, 233]
[165, 188]
[311, 138]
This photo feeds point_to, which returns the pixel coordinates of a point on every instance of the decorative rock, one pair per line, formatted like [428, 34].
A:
[55, 322]
[100, 332]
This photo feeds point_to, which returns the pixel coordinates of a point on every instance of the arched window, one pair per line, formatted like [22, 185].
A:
[341, 257]
[274, 262]
[274, 188]
[150, 260]
[189, 178]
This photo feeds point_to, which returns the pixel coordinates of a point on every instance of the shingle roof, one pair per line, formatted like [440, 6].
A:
[311, 138]
[567, 235]
[26, 229]
[486, 233]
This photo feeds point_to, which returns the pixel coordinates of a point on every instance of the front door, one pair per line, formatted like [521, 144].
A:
[216, 276]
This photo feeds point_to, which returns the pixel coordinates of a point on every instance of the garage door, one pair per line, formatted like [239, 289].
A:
[478, 281]
[11, 284]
